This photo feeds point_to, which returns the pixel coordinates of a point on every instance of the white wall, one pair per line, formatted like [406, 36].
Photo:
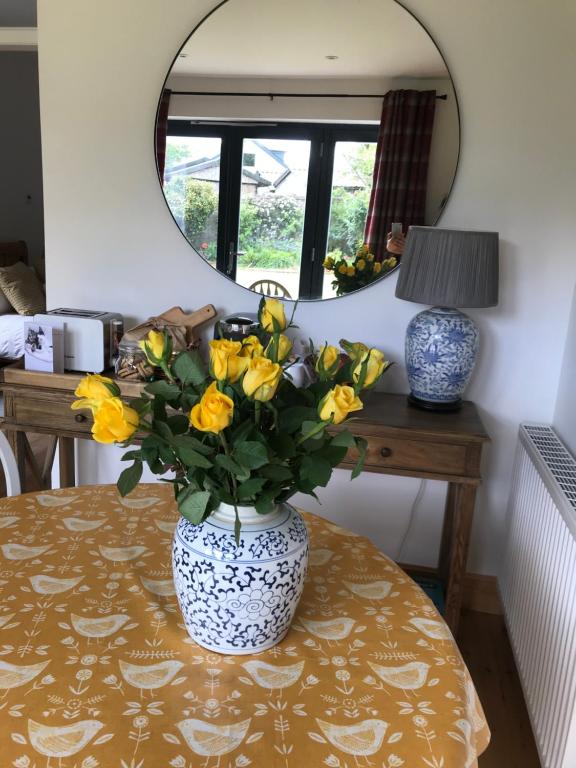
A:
[565, 413]
[111, 242]
[21, 216]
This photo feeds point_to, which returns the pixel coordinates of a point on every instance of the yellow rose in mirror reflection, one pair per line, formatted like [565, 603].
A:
[114, 421]
[272, 316]
[338, 403]
[261, 379]
[214, 412]
[93, 389]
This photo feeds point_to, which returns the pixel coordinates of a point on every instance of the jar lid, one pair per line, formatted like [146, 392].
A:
[126, 345]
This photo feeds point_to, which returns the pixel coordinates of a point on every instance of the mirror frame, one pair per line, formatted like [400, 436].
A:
[387, 274]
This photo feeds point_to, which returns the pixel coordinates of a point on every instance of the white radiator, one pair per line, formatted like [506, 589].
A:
[539, 589]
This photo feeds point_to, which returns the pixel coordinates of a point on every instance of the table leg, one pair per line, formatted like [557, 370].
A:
[17, 442]
[455, 540]
[66, 459]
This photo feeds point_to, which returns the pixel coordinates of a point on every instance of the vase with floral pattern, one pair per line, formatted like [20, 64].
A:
[240, 598]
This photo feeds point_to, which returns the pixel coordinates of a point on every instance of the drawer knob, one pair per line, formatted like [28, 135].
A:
[80, 418]
[385, 453]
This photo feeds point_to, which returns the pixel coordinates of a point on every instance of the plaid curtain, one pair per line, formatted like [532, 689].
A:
[161, 131]
[401, 166]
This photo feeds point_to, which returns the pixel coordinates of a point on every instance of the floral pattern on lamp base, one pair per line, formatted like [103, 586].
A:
[240, 599]
[441, 349]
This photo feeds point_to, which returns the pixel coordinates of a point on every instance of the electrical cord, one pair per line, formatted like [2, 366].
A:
[415, 503]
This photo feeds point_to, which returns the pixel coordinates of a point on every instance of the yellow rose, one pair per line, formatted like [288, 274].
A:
[261, 379]
[343, 268]
[328, 263]
[94, 389]
[271, 316]
[338, 403]
[251, 347]
[375, 363]
[363, 250]
[328, 361]
[369, 257]
[377, 267]
[350, 271]
[214, 412]
[114, 421]
[278, 352]
[355, 349]
[390, 262]
[157, 346]
[225, 365]
[360, 264]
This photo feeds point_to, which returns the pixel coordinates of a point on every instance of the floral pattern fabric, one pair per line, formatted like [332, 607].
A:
[97, 671]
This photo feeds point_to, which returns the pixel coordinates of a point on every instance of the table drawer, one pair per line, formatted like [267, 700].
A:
[50, 414]
[415, 456]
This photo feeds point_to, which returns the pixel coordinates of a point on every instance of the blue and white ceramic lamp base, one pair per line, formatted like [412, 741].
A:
[240, 599]
[441, 350]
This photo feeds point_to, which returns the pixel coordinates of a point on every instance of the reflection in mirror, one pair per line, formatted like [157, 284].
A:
[291, 136]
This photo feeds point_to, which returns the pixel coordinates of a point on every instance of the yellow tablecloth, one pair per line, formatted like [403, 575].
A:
[97, 671]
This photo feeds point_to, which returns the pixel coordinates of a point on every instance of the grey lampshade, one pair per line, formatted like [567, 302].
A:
[449, 268]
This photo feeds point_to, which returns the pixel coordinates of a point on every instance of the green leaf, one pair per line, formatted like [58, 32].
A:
[283, 445]
[163, 389]
[264, 504]
[291, 419]
[132, 456]
[189, 368]
[250, 487]
[315, 470]
[162, 429]
[193, 505]
[178, 424]
[129, 478]
[250, 454]
[313, 430]
[192, 458]
[345, 439]
[361, 445]
[237, 526]
[227, 463]
[188, 441]
[276, 472]
[334, 454]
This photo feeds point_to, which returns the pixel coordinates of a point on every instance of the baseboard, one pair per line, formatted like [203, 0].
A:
[480, 593]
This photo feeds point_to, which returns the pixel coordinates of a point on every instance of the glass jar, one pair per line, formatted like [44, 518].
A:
[131, 363]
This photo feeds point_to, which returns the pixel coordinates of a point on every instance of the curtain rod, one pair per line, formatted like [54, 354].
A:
[273, 96]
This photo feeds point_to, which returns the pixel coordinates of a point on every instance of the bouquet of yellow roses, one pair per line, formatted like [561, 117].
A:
[240, 432]
[363, 270]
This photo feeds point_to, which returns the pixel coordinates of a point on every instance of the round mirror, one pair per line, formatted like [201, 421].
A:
[293, 139]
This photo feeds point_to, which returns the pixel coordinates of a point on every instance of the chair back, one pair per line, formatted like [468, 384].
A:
[269, 287]
[10, 467]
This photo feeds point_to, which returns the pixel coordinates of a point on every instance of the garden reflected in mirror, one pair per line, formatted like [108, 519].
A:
[285, 156]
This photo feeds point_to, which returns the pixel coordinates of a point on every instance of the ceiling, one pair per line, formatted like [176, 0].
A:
[280, 38]
[17, 13]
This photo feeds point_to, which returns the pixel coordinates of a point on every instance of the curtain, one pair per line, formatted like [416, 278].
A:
[401, 166]
[161, 131]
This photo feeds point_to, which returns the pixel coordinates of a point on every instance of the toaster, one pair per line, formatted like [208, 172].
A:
[90, 337]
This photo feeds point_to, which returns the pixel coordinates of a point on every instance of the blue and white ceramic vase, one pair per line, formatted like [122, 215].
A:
[240, 599]
[441, 349]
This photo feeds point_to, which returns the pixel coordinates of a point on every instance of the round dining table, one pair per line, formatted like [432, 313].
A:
[97, 670]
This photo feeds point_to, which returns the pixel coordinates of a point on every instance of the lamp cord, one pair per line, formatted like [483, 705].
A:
[412, 518]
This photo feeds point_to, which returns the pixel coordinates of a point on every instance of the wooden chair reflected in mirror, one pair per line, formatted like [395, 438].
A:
[270, 287]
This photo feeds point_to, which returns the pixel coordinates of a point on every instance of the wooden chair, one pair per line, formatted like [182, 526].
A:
[268, 287]
[10, 467]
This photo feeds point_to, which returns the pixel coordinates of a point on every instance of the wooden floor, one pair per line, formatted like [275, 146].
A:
[486, 649]
[484, 643]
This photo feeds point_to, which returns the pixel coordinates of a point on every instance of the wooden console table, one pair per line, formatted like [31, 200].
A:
[401, 441]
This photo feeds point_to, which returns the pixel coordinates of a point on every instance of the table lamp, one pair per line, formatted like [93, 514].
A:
[448, 268]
